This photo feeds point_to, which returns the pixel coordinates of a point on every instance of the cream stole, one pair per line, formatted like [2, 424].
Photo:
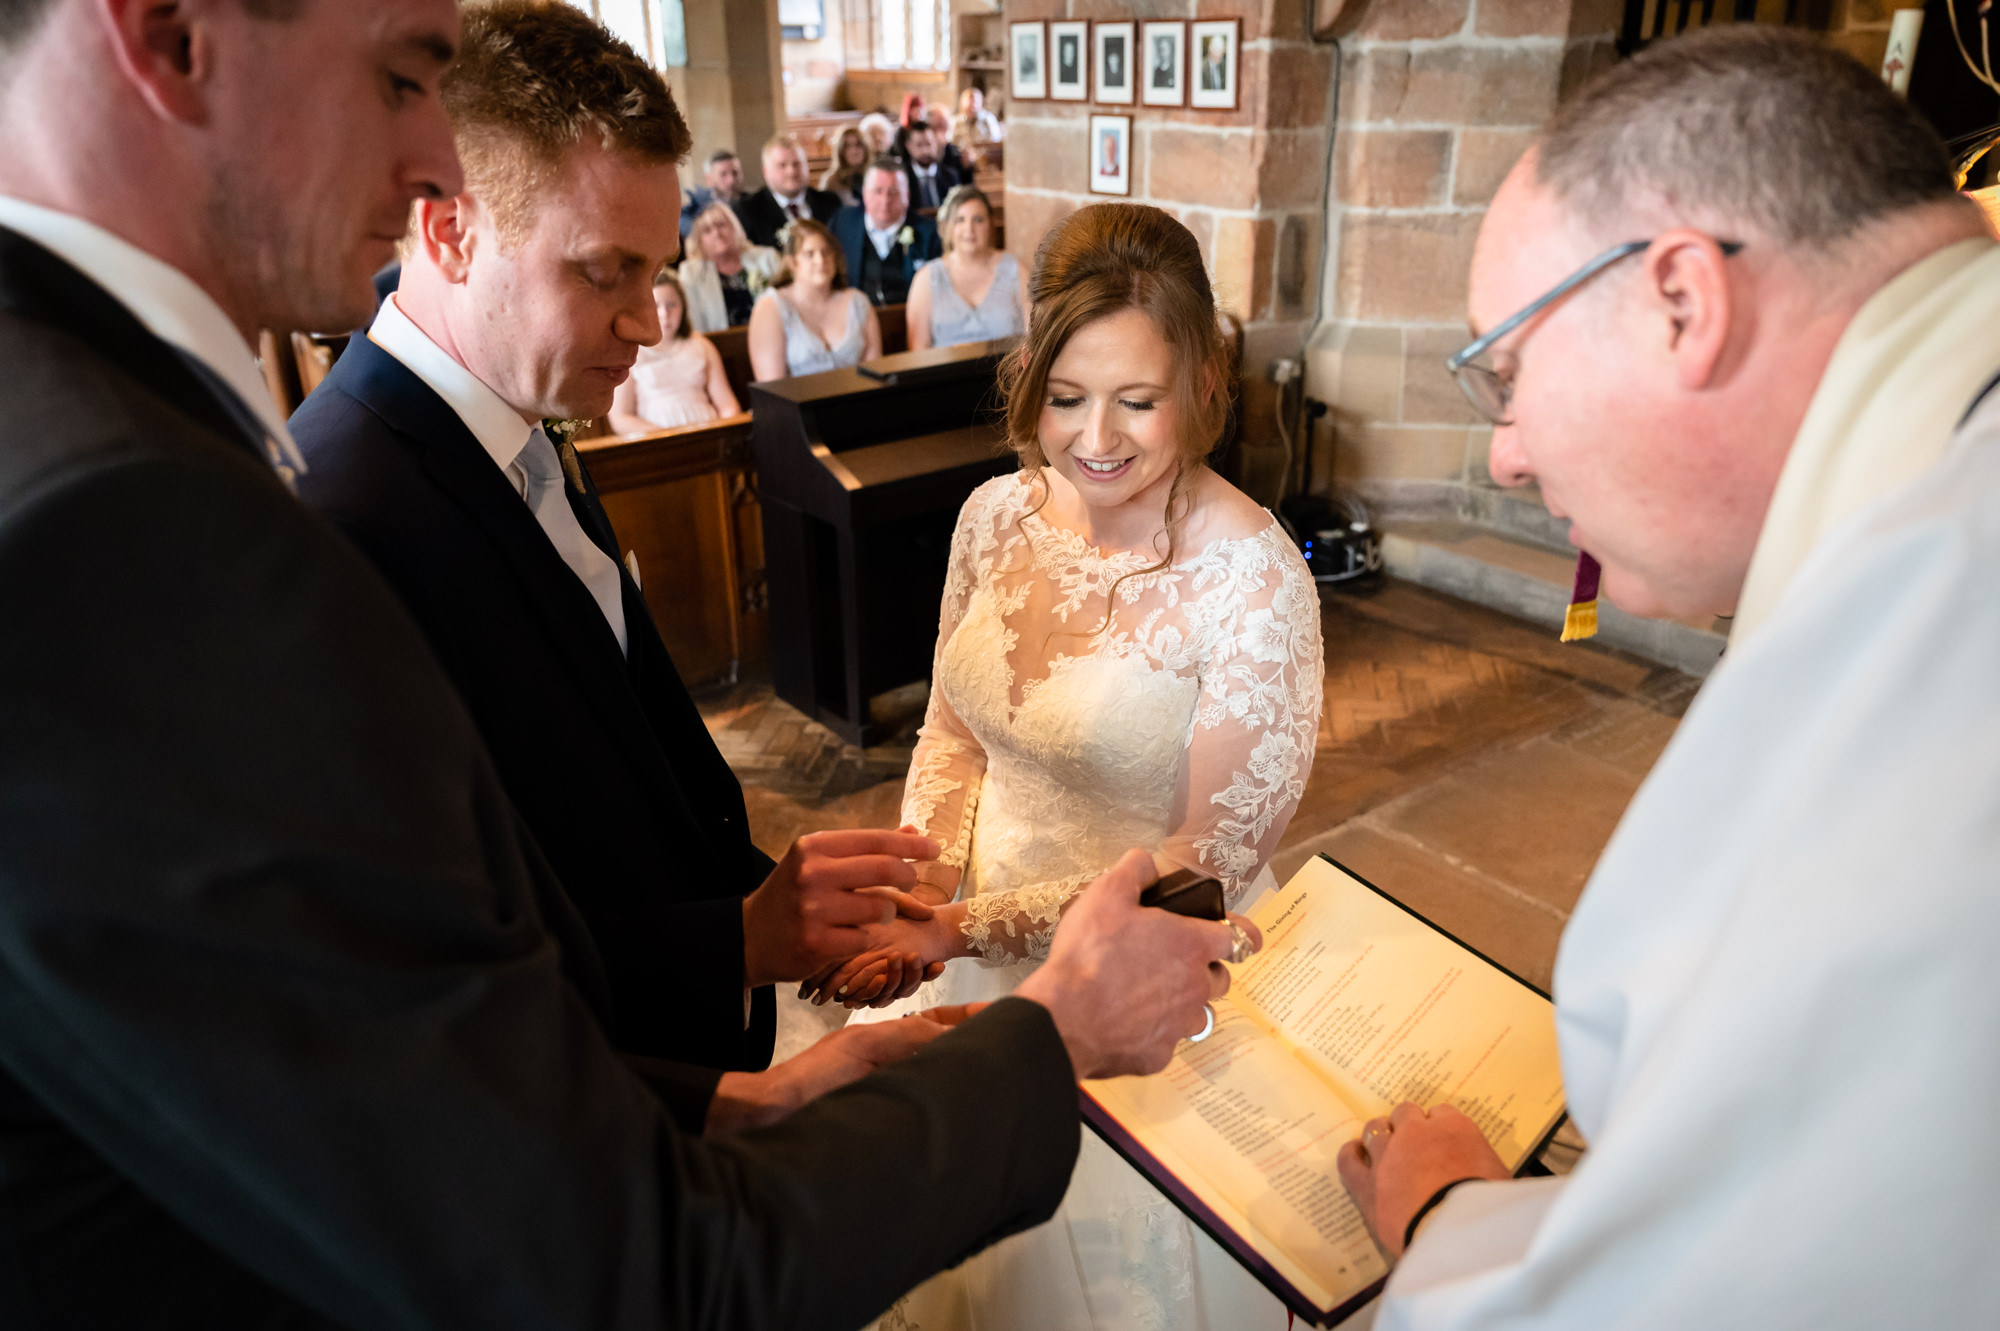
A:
[1890, 401]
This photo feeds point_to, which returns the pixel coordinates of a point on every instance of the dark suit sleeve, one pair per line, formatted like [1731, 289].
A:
[272, 943]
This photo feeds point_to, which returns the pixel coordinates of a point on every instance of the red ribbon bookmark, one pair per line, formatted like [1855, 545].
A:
[1580, 621]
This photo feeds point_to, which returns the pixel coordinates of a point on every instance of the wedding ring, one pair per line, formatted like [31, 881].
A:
[1241, 949]
[1207, 1025]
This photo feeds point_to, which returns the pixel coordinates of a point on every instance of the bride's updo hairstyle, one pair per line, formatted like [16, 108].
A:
[1100, 260]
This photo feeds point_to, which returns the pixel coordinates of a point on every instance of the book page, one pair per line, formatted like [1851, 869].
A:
[1352, 1006]
[1387, 1009]
[1253, 1133]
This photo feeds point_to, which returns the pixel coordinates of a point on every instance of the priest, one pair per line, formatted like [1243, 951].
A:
[1742, 332]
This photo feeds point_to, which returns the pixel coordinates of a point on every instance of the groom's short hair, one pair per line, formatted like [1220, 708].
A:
[1745, 126]
[535, 78]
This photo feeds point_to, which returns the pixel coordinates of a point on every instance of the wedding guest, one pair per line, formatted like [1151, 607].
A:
[842, 178]
[811, 320]
[679, 380]
[722, 182]
[298, 1027]
[724, 276]
[786, 195]
[974, 293]
[1129, 651]
[882, 242]
[879, 132]
[912, 111]
[927, 176]
[939, 119]
[976, 132]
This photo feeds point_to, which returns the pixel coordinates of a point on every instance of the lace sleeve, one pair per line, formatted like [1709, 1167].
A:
[1256, 725]
[942, 792]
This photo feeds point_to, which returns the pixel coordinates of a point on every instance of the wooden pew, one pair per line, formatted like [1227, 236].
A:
[684, 503]
[818, 132]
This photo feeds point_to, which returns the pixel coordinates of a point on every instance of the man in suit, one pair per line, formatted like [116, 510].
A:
[785, 195]
[424, 446]
[722, 181]
[927, 174]
[884, 243]
[297, 1027]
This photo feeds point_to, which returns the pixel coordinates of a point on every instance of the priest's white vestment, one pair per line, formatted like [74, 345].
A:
[1779, 997]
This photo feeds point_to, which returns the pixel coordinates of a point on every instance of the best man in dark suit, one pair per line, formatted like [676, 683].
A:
[785, 194]
[297, 1028]
[880, 261]
[429, 461]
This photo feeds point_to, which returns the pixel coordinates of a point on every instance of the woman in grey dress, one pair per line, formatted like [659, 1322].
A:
[975, 293]
[811, 320]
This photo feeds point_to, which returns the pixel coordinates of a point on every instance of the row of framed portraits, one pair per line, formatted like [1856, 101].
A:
[1170, 62]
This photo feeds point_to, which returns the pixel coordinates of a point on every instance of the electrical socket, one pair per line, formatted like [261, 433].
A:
[1285, 370]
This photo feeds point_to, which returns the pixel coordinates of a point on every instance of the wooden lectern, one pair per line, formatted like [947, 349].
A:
[861, 473]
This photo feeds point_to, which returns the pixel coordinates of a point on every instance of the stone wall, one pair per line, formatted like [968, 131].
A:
[1250, 183]
[1438, 99]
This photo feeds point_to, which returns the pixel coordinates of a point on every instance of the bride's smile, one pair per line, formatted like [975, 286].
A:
[1110, 428]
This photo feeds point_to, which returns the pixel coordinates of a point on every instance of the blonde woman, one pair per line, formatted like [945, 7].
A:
[724, 273]
[975, 293]
[677, 381]
[811, 320]
[850, 162]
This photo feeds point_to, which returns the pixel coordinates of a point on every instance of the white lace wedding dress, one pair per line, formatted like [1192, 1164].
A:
[1052, 745]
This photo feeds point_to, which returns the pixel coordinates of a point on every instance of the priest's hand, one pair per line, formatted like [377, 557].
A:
[756, 1099]
[1400, 1162]
[1125, 983]
[812, 910]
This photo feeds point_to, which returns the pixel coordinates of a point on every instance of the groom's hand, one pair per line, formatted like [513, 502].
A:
[813, 909]
[754, 1099]
[1126, 983]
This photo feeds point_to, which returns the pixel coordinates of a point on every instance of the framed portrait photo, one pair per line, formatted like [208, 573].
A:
[1027, 61]
[1111, 48]
[1111, 154]
[1162, 65]
[1069, 61]
[1212, 48]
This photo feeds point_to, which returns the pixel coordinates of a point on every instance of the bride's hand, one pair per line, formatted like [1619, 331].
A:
[899, 956]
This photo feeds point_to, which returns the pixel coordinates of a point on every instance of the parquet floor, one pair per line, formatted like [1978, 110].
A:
[1467, 763]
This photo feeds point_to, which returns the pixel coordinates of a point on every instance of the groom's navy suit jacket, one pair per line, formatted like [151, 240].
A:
[604, 754]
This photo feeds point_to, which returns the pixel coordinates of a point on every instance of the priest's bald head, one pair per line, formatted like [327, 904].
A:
[1777, 185]
[268, 149]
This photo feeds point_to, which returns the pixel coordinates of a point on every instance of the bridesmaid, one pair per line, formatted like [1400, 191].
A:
[811, 320]
[975, 293]
[677, 381]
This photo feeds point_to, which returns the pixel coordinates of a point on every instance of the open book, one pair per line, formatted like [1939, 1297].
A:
[1354, 1005]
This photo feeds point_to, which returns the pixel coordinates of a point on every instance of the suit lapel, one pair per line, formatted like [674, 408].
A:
[37, 284]
[461, 467]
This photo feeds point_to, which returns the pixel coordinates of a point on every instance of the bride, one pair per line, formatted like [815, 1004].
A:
[1128, 655]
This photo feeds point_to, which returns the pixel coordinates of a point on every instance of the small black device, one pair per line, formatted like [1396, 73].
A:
[1187, 892]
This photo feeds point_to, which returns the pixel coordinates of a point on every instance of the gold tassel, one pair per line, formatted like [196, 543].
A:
[1580, 621]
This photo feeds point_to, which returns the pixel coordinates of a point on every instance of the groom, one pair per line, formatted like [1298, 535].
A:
[527, 295]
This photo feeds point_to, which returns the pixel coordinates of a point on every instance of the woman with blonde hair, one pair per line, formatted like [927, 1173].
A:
[850, 163]
[1128, 655]
[878, 132]
[975, 293]
[679, 380]
[725, 273]
[811, 320]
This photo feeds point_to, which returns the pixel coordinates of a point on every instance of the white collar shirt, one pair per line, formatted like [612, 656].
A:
[522, 451]
[787, 202]
[885, 239]
[171, 306]
[924, 176]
